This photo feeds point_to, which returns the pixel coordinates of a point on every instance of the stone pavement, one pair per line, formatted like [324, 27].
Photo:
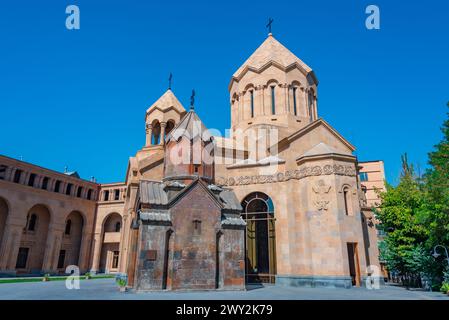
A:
[106, 289]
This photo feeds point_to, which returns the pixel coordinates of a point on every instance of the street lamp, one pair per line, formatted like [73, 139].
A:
[435, 254]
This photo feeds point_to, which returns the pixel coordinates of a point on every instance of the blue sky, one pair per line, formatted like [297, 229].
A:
[78, 98]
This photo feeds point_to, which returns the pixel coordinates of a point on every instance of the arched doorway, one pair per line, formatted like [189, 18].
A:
[71, 241]
[109, 259]
[3, 216]
[31, 253]
[258, 212]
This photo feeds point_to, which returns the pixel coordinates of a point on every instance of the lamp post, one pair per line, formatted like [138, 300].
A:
[435, 254]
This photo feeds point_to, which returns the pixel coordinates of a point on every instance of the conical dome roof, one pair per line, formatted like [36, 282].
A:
[271, 51]
[190, 127]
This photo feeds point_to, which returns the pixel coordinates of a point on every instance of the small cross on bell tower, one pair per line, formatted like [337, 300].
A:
[270, 22]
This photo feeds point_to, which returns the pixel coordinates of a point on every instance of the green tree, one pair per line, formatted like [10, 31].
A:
[415, 217]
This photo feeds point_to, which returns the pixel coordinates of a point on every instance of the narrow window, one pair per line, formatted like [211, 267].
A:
[106, 195]
[116, 194]
[89, 194]
[2, 172]
[68, 191]
[32, 222]
[17, 176]
[68, 227]
[115, 259]
[31, 180]
[79, 192]
[310, 105]
[45, 183]
[294, 101]
[347, 201]
[196, 227]
[61, 259]
[252, 103]
[118, 226]
[22, 258]
[57, 186]
[273, 101]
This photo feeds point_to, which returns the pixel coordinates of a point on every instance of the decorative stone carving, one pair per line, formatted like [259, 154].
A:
[287, 175]
[322, 195]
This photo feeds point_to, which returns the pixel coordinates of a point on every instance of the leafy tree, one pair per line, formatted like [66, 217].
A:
[415, 217]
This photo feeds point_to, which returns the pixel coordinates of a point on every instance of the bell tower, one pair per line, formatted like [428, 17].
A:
[273, 88]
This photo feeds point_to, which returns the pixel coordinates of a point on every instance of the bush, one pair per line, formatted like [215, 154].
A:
[121, 280]
[445, 287]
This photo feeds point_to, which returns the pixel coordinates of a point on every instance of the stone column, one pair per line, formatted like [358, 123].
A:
[52, 247]
[162, 138]
[84, 251]
[149, 133]
[97, 253]
[9, 247]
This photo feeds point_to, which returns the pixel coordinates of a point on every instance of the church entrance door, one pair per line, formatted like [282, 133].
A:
[260, 244]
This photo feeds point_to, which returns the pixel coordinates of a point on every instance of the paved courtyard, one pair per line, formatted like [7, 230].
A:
[106, 289]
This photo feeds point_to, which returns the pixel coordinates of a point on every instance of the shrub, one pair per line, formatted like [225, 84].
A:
[445, 287]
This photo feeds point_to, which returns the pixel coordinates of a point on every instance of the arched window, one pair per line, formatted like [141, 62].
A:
[118, 226]
[57, 186]
[68, 191]
[294, 101]
[252, 103]
[89, 194]
[273, 100]
[31, 180]
[347, 200]
[311, 104]
[79, 192]
[156, 133]
[45, 183]
[32, 222]
[106, 195]
[68, 227]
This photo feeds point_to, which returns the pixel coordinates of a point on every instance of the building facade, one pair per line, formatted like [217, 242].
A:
[306, 219]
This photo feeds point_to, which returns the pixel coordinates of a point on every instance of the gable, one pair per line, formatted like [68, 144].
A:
[311, 137]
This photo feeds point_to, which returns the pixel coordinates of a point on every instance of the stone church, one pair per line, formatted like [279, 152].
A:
[278, 200]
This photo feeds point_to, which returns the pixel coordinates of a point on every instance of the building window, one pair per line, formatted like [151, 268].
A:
[61, 259]
[22, 258]
[347, 200]
[79, 192]
[32, 222]
[196, 168]
[3, 172]
[294, 101]
[31, 180]
[17, 176]
[45, 183]
[196, 227]
[116, 194]
[118, 226]
[68, 227]
[68, 191]
[310, 105]
[115, 257]
[89, 194]
[252, 103]
[106, 195]
[363, 176]
[57, 186]
[273, 100]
